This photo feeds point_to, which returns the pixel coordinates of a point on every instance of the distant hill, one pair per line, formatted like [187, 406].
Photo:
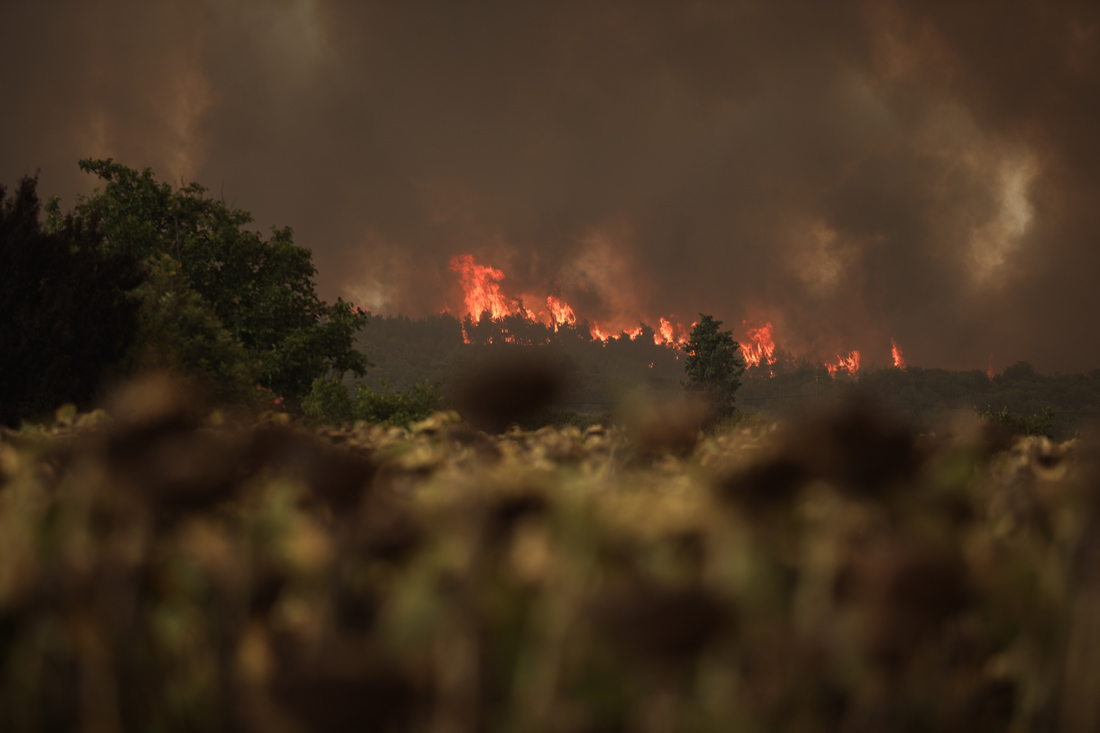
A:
[601, 375]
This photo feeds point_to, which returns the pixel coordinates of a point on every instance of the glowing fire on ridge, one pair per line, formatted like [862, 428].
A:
[895, 351]
[760, 345]
[482, 294]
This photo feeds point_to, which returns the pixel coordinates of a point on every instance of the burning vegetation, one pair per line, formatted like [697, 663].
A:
[485, 301]
[895, 352]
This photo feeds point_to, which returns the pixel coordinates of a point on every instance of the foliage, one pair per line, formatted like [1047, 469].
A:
[929, 397]
[177, 332]
[739, 419]
[1039, 424]
[407, 351]
[390, 407]
[563, 417]
[1020, 371]
[260, 291]
[65, 321]
[714, 364]
[840, 575]
[330, 402]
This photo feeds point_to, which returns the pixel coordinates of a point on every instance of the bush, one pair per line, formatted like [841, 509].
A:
[398, 408]
[739, 420]
[330, 402]
[1020, 425]
[560, 418]
[178, 332]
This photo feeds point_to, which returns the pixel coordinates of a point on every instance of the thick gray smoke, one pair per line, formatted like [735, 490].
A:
[850, 171]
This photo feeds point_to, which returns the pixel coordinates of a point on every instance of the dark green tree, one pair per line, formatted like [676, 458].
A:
[260, 290]
[713, 364]
[65, 318]
[177, 331]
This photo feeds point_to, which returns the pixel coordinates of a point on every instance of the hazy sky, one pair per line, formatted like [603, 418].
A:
[852, 171]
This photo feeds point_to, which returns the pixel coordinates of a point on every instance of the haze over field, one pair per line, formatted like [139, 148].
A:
[851, 172]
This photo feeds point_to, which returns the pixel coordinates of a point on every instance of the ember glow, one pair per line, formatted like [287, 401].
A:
[760, 345]
[895, 351]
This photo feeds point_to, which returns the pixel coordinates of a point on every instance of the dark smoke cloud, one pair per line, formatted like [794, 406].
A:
[853, 171]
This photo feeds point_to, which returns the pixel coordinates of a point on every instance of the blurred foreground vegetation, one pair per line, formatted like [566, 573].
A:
[172, 567]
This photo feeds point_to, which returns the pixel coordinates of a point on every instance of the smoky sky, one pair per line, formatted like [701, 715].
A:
[921, 170]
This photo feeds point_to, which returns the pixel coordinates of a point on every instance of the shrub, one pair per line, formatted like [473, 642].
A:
[1039, 424]
[330, 401]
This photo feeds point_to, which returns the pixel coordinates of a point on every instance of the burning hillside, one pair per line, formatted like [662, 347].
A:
[485, 301]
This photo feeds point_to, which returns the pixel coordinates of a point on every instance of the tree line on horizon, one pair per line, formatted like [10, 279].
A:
[142, 276]
[408, 351]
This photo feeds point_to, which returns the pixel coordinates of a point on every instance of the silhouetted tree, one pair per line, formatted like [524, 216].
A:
[65, 318]
[1020, 371]
[713, 364]
[261, 291]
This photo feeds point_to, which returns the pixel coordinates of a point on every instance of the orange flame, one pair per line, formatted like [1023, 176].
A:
[598, 335]
[849, 364]
[989, 371]
[895, 351]
[671, 333]
[762, 346]
[482, 294]
[560, 312]
[480, 284]
[665, 333]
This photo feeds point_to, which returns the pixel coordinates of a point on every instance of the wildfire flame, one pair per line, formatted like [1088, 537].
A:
[560, 313]
[482, 294]
[671, 333]
[664, 334]
[849, 364]
[895, 351]
[760, 345]
[989, 371]
[480, 283]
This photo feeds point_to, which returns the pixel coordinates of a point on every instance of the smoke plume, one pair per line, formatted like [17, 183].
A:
[851, 171]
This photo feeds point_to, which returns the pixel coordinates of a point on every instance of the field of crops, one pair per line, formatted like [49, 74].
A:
[167, 567]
